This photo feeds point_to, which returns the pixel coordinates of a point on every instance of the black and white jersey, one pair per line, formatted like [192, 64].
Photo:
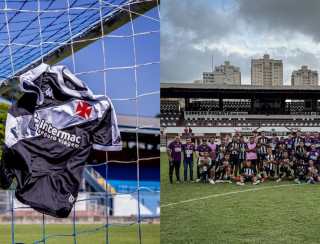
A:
[233, 147]
[50, 134]
[270, 158]
[263, 140]
[242, 150]
[248, 171]
[296, 141]
[262, 150]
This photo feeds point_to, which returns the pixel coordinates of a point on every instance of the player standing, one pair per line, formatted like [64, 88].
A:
[252, 152]
[234, 149]
[200, 151]
[243, 147]
[174, 155]
[188, 153]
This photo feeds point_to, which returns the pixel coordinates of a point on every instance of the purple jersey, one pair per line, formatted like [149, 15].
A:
[308, 141]
[289, 144]
[203, 148]
[188, 150]
[175, 148]
[313, 155]
[316, 142]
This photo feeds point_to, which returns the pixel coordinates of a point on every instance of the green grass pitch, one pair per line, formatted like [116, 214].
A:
[265, 213]
[27, 234]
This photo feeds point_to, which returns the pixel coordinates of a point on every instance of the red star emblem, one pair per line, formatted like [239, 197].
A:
[83, 110]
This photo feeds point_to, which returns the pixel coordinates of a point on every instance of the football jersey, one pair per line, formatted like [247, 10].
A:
[233, 147]
[242, 150]
[289, 143]
[50, 134]
[249, 171]
[188, 150]
[202, 148]
[175, 150]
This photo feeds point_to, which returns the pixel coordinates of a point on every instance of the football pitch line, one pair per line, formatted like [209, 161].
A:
[227, 194]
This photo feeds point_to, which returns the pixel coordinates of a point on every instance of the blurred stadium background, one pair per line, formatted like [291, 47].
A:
[114, 47]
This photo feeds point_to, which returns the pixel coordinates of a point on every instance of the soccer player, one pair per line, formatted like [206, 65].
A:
[223, 170]
[188, 150]
[313, 174]
[269, 165]
[308, 141]
[300, 152]
[174, 155]
[263, 140]
[313, 154]
[261, 154]
[279, 155]
[243, 148]
[297, 138]
[252, 152]
[285, 168]
[213, 145]
[204, 165]
[201, 149]
[289, 144]
[221, 150]
[316, 140]
[248, 174]
[234, 150]
[273, 142]
[300, 171]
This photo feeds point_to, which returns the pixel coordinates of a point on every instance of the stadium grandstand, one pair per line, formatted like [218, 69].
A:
[213, 109]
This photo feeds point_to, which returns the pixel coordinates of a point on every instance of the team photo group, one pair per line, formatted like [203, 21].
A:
[246, 159]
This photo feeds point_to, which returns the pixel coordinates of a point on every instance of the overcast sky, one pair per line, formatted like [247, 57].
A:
[237, 30]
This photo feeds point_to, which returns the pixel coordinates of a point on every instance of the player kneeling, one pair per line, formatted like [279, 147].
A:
[223, 170]
[248, 174]
[285, 168]
[300, 171]
[313, 174]
[205, 167]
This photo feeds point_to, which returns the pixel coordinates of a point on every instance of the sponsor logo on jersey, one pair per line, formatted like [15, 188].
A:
[47, 130]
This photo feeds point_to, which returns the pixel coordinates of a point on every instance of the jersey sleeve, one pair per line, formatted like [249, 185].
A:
[106, 134]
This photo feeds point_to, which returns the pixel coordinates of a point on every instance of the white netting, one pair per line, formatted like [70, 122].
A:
[35, 31]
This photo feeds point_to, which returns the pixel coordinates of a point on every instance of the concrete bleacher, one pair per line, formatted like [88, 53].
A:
[207, 105]
[169, 107]
[227, 106]
[241, 119]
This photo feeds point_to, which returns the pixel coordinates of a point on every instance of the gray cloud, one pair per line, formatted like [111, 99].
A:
[196, 19]
[286, 15]
[185, 63]
[185, 24]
